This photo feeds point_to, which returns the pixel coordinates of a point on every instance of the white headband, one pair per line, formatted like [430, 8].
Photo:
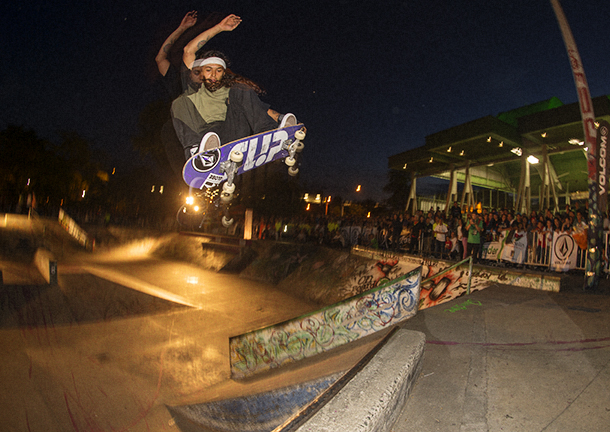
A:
[209, 60]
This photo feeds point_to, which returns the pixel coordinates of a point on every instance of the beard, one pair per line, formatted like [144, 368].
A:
[213, 86]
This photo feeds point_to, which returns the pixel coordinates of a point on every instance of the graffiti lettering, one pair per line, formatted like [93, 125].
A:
[365, 282]
[602, 165]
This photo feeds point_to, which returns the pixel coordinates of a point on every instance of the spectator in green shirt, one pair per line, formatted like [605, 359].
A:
[474, 227]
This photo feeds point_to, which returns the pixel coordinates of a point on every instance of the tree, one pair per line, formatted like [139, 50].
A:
[399, 184]
[148, 141]
[80, 168]
[23, 159]
[56, 174]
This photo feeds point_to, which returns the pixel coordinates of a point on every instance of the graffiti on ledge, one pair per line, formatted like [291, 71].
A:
[326, 329]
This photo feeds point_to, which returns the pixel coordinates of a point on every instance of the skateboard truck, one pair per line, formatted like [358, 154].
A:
[294, 146]
[229, 167]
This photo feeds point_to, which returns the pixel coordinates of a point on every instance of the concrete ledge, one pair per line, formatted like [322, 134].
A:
[373, 399]
[219, 239]
[323, 330]
[46, 264]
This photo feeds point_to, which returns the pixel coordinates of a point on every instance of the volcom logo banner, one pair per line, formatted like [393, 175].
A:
[602, 163]
[563, 252]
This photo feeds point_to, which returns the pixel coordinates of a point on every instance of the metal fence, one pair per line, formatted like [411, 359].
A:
[538, 253]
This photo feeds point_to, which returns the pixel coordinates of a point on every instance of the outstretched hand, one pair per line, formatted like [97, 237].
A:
[189, 20]
[229, 23]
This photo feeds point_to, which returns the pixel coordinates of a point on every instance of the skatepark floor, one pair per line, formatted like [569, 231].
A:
[501, 359]
[514, 359]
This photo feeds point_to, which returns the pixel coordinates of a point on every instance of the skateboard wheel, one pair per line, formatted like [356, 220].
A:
[236, 156]
[300, 134]
[290, 161]
[292, 171]
[228, 188]
[226, 197]
[226, 222]
[300, 146]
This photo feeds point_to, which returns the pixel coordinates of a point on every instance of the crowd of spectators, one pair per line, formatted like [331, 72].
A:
[453, 234]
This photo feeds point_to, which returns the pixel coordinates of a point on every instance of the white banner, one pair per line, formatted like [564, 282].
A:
[514, 250]
[492, 251]
[563, 252]
[73, 229]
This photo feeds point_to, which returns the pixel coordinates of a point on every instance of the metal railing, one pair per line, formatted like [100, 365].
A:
[454, 266]
[538, 252]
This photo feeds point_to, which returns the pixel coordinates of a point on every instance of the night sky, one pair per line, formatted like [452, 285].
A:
[368, 78]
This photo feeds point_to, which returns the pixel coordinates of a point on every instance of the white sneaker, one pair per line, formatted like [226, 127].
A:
[210, 141]
[288, 120]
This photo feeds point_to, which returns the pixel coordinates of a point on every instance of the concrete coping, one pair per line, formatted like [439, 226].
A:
[373, 399]
[46, 264]
[219, 239]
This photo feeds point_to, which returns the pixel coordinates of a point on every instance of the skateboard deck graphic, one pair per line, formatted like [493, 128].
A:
[210, 168]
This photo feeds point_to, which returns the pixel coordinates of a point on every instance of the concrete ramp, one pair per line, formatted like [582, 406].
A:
[94, 298]
[313, 351]
[78, 298]
[262, 412]
[216, 253]
[368, 396]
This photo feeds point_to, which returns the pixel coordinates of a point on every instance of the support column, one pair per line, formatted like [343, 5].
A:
[452, 192]
[412, 195]
[467, 189]
[523, 202]
[524, 185]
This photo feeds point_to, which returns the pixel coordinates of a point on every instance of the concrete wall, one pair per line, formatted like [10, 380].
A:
[448, 286]
[373, 399]
[328, 328]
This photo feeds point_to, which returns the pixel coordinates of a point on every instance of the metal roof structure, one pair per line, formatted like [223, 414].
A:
[492, 150]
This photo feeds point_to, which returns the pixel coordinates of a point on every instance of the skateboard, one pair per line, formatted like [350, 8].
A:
[210, 168]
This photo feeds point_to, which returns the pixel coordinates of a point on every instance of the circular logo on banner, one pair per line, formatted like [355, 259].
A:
[206, 161]
[564, 246]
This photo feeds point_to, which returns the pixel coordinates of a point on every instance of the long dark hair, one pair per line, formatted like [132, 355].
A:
[230, 78]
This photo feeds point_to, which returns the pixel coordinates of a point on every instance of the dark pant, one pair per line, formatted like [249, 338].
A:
[246, 115]
[440, 248]
[473, 250]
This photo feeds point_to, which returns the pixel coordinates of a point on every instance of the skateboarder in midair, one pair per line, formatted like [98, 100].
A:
[178, 79]
[226, 107]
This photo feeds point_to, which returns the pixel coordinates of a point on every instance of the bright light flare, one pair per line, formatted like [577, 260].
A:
[532, 159]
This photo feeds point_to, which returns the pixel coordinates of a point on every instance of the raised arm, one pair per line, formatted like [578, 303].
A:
[188, 21]
[228, 24]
